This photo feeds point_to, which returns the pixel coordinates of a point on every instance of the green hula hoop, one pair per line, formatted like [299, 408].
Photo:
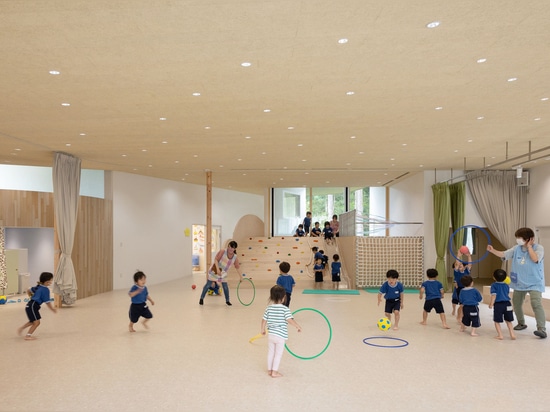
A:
[253, 296]
[329, 337]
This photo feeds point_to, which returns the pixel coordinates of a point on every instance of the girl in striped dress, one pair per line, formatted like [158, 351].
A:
[275, 320]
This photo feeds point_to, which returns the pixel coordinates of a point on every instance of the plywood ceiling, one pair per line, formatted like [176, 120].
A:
[397, 98]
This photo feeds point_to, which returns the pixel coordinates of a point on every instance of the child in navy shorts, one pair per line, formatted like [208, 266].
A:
[392, 290]
[500, 302]
[139, 295]
[434, 294]
[38, 294]
[470, 298]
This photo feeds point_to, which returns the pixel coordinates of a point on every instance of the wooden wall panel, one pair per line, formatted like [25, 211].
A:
[93, 246]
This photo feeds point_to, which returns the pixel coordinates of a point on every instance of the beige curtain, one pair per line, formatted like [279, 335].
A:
[500, 202]
[66, 189]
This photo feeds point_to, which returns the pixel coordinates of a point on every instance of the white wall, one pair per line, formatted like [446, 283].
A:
[149, 220]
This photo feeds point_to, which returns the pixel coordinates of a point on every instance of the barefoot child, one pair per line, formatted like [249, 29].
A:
[434, 294]
[469, 299]
[38, 295]
[500, 301]
[393, 291]
[275, 320]
[139, 295]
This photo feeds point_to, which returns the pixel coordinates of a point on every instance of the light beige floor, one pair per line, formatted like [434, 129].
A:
[197, 358]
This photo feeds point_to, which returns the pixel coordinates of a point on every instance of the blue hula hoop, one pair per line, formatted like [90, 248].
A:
[463, 261]
[402, 345]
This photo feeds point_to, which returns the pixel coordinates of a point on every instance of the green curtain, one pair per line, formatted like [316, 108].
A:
[442, 216]
[457, 193]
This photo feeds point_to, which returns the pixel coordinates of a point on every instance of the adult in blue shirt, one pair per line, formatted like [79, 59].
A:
[526, 277]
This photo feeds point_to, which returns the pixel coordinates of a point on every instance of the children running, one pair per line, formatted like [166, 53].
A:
[38, 294]
[139, 295]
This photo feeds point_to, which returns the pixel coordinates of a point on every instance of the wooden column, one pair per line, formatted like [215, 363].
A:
[208, 220]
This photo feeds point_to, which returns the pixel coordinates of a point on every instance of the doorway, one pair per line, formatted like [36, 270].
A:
[198, 259]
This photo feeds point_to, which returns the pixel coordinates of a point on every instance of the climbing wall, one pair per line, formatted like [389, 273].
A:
[260, 258]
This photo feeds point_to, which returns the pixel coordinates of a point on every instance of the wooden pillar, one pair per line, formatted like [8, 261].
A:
[208, 220]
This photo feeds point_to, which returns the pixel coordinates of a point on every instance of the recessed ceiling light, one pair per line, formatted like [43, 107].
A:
[65, 104]
[456, 150]
[350, 93]
[480, 117]
[17, 149]
[348, 164]
[195, 155]
[512, 79]
[248, 137]
[54, 72]
[404, 144]
[124, 155]
[433, 24]
[196, 94]
[221, 165]
[264, 153]
[343, 41]
[162, 118]
[470, 140]
[290, 128]
[207, 127]
[176, 161]
[353, 137]
[246, 64]
[304, 160]
[300, 144]
[439, 108]
[420, 165]
[164, 142]
[361, 153]
[481, 60]
[536, 119]
[544, 99]
[267, 110]
[150, 165]
[67, 144]
[392, 158]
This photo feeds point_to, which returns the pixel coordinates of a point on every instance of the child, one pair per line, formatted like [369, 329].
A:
[307, 223]
[214, 289]
[469, 299]
[140, 296]
[393, 291]
[327, 233]
[500, 301]
[460, 269]
[300, 231]
[336, 267]
[38, 294]
[434, 293]
[276, 317]
[316, 231]
[286, 281]
[318, 268]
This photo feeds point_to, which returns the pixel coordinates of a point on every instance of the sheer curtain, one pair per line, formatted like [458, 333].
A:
[66, 189]
[442, 215]
[500, 202]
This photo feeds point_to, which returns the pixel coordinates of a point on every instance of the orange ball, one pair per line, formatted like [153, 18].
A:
[464, 250]
[193, 286]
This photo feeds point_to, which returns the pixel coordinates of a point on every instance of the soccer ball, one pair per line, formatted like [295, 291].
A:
[2, 300]
[384, 324]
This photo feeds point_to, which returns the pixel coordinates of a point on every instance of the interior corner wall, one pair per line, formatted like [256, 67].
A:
[150, 216]
[538, 198]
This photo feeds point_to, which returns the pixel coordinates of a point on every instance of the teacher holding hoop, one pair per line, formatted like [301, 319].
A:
[526, 277]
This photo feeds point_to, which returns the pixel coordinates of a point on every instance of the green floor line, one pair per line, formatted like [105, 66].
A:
[375, 290]
[330, 292]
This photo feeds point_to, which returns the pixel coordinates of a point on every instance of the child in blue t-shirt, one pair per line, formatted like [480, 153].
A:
[327, 233]
[469, 299]
[318, 268]
[500, 302]
[38, 294]
[286, 281]
[300, 231]
[393, 291]
[316, 231]
[336, 267]
[139, 295]
[307, 223]
[459, 269]
[434, 294]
